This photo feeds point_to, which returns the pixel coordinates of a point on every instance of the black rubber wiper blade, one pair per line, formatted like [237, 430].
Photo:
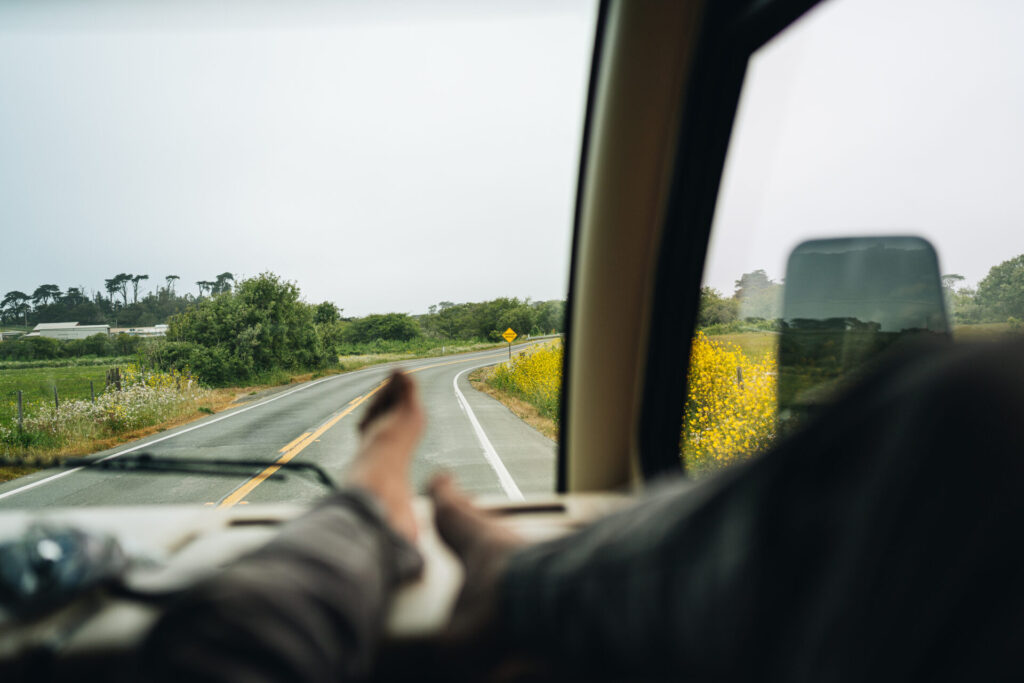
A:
[146, 462]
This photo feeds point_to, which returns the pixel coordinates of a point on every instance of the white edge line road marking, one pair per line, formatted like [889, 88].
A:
[508, 484]
[383, 366]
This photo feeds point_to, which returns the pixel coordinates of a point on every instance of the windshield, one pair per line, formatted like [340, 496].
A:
[225, 226]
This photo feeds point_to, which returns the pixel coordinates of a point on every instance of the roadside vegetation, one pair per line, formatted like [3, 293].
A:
[530, 385]
[730, 411]
[730, 403]
[75, 425]
[230, 341]
[260, 332]
[28, 349]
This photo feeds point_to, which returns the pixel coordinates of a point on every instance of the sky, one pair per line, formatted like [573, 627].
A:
[390, 155]
[872, 117]
[383, 155]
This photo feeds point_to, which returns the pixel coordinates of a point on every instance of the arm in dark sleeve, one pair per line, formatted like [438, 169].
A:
[309, 606]
[870, 545]
[634, 594]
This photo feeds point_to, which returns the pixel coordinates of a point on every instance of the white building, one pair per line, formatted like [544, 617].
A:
[154, 331]
[67, 330]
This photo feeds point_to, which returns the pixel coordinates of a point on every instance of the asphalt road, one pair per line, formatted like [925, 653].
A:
[490, 451]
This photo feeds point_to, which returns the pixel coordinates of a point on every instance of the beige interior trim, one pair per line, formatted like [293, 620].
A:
[645, 61]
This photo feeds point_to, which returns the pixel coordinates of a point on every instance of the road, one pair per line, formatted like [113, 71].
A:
[490, 451]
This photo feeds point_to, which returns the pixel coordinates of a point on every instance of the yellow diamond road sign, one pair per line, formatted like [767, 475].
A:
[508, 335]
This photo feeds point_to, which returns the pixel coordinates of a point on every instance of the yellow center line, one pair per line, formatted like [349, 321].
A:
[297, 445]
[293, 442]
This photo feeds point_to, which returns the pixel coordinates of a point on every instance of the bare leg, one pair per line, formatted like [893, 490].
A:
[483, 546]
[390, 432]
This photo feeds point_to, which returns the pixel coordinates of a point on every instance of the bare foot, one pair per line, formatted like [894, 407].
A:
[390, 432]
[484, 547]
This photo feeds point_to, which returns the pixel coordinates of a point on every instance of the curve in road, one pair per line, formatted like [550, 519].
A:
[488, 449]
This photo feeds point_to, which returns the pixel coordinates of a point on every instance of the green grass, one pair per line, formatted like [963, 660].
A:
[84, 361]
[348, 361]
[982, 331]
[414, 348]
[37, 383]
[755, 345]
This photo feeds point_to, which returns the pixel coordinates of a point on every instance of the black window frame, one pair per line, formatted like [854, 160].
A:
[731, 31]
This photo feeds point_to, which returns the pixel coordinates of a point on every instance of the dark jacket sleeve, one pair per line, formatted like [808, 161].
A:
[872, 545]
[309, 606]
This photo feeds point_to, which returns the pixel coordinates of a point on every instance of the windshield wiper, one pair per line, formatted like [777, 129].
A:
[147, 462]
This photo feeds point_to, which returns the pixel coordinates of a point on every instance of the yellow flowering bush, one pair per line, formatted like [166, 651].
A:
[730, 407]
[534, 376]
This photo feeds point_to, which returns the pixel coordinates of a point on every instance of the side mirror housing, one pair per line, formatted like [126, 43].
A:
[845, 302]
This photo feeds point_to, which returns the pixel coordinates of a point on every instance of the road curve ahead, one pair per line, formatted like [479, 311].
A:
[489, 450]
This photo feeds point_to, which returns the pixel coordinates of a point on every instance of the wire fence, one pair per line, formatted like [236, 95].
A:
[20, 396]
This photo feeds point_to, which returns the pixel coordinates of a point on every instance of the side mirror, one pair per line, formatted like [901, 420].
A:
[845, 302]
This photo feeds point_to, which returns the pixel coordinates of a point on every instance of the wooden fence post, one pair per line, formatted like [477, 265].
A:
[21, 415]
[56, 401]
[92, 391]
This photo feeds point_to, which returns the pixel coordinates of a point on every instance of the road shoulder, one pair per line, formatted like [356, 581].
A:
[518, 407]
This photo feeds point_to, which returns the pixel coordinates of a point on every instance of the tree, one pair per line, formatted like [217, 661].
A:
[758, 295]
[118, 283]
[123, 280]
[74, 297]
[169, 279]
[262, 325]
[204, 285]
[951, 281]
[221, 284]
[502, 313]
[1001, 292]
[550, 317]
[14, 302]
[964, 306]
[389, 326]
[135, 286]
[45, 293]
[325, 313]
[111, 285]
[751, 283]
[716, 309]
[451, 319]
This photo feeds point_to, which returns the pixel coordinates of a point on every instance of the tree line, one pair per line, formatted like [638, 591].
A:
[998, 298]
[235, 332]
[48, 303]
[263, 325]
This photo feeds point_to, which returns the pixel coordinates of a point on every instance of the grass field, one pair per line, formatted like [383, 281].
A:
[755, 345]
[983, 331]
[36, 385]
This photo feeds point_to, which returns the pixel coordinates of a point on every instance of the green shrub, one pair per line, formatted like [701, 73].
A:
[389, 326]
[262, 326]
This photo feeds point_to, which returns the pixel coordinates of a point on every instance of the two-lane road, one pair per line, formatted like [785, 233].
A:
[490, 451]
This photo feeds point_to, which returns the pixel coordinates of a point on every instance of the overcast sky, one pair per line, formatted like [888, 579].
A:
[390, 155]
[384, 155]
[880, 117]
